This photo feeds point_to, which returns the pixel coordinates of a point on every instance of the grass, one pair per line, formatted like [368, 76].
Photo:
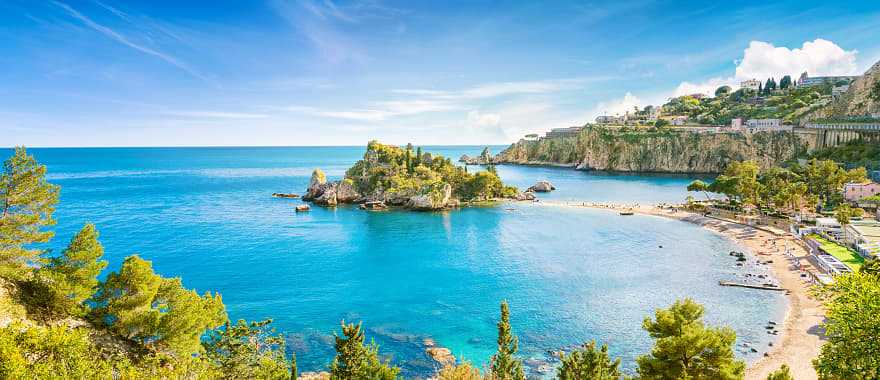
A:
[846, 255]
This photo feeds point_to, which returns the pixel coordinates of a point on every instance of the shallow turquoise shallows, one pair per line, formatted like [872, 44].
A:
[570, 275]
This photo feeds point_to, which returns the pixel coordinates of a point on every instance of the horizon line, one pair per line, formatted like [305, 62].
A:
[233, 146]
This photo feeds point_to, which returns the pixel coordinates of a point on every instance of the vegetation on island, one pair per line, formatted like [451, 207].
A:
[409, 178]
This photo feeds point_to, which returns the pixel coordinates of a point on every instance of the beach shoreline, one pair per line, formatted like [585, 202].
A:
[799, 341]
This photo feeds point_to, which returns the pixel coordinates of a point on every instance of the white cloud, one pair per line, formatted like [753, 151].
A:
[762, 60]
[615, 106]
[707, 87]
[819, 57]
[481, 120]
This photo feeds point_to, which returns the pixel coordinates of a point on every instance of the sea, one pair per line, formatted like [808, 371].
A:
[412, 279]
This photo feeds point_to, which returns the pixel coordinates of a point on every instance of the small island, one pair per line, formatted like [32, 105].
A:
[410, 179]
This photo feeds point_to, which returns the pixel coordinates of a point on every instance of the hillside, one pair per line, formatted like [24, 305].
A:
[653, 150]
[862, 98]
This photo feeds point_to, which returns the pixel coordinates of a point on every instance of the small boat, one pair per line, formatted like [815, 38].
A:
[303, 208]
[284, 195]
[627, 213]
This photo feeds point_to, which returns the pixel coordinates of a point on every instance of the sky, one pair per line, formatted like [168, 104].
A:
[333, 72]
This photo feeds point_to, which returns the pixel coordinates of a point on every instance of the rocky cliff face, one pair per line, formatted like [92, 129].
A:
[863, 96]
[597, 148]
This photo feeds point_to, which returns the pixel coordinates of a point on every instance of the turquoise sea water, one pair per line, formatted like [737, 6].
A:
[570, 275]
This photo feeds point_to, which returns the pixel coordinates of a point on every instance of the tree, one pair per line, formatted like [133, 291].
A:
[28, 202]
[782, 373]
[157, 312]
[588, 363]
[698, 185]
[843, 213]
[418, 156]
[660, 123]
[249, 351]
[354, 360]
[871, 266]
[73, 276]
[463, 371]
[504, 365]
[55, 352]
[722, 91]
[686, 349]
[785, 82]
[852, 328]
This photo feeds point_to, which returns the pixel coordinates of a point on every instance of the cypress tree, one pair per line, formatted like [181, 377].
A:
[293, 374]
[355, 360]
[504, 364]
[418, 156]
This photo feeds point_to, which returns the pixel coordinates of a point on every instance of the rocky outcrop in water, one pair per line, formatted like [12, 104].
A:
[661, 151]
[542, 187]
[485, 158]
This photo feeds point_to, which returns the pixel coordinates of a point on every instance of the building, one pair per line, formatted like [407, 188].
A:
[564, 132]
[678, 120]
[764, 123]
[751, 84]
[736, 123]
[864, 237]
[805, 80]
[653, 112]
[853, 192]
[531, 136]
[605, 119]
[829, 226]
[837, 91]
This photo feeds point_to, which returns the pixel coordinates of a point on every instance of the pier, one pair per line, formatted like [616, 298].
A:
[751, 286]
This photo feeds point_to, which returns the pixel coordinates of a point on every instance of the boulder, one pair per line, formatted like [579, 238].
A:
[434, 198]
[441, 355]
[328, 195]
[542, 187]
[316, 185]
[345, 192]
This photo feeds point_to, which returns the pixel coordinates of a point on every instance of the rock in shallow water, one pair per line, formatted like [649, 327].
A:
[542, 187]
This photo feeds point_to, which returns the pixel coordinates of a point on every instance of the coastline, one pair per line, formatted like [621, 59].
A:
[799, 341]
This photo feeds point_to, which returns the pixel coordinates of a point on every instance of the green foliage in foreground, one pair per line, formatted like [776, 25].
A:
[73, 276]
[27, 202]
[249, 351]
[142, 306]
[852, 327]
[62, 353]
[394, 170]
[686, 349]
[355, 360]
[505, 365]
[589, 363]
[780, 374]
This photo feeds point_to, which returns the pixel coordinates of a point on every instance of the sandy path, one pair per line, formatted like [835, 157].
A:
[799, 340]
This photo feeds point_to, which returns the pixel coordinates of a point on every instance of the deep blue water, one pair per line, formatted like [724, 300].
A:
[570, 275]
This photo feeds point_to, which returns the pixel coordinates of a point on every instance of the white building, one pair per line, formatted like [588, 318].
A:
[605, 119]
[764, 123]
[751, 84]
[654, 113]
[679, 120]
[736, 123]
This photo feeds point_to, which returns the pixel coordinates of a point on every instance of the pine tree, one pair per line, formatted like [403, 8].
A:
[418, 156]
[249, 351]
[504, 364]
[780, 374]
[355, 360]
[589, 363]
[28, 202]
[293, 370]
[73, 276]
[685, 348]
[147, 308]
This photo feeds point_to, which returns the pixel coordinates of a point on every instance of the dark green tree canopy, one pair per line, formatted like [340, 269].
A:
[588, 363]
[504, 365]
[356, 360]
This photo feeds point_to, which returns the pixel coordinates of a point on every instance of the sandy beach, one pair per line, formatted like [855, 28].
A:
[799, 341]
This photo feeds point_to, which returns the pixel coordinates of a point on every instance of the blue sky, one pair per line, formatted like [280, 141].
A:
[332, 72]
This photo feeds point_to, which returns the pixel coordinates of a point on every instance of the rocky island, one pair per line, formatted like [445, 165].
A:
[395, 176]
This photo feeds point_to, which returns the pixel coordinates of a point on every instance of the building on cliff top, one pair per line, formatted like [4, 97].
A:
[751, 84]
[806, 81]
[564, 132]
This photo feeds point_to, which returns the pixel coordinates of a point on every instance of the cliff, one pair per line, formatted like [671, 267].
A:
[863, 96]
[651, 150]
